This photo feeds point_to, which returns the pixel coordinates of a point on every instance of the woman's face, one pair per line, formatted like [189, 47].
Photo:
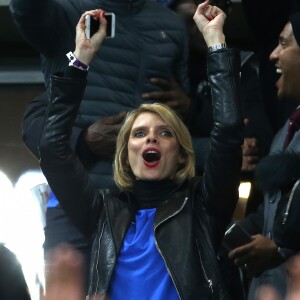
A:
[153, 148]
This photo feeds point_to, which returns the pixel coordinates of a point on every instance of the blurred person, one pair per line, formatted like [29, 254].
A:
[31, 193]
[293, 291]
[155, 236]
[274, 227]
[12, 284]
[118, 81]
[64, 275]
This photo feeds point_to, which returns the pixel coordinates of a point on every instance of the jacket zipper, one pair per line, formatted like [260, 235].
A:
[209, 281]
[158, 249]
[95, 264]
[286, 213]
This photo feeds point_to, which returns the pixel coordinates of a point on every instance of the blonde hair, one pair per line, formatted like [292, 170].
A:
[123, 174]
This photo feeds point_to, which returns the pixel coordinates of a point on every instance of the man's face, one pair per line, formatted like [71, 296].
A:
[286, 57]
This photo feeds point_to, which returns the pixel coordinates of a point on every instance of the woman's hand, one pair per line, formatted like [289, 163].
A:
[210, 21]
[87, 48]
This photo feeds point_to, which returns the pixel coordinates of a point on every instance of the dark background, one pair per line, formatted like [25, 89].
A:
[20, 81]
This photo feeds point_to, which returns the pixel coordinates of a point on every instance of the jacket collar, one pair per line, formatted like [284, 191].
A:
[127, 205]
[121, 221]
[172, 207]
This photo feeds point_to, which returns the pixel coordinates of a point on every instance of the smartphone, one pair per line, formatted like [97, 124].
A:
[236, 236]
[92, 25]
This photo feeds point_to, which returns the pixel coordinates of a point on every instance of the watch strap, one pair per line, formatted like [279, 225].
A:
[74, 62]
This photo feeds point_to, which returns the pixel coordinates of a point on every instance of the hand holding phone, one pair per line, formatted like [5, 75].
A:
[92, 25]
[236, 236]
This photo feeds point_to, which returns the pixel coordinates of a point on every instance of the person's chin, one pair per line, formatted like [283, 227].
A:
[281, 93]
[151, 176]
[154, 176]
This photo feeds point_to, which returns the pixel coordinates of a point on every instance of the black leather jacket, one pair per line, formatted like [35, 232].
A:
[189, 227]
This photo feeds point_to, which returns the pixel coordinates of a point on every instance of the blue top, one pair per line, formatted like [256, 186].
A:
[140, 272]
[52, 202]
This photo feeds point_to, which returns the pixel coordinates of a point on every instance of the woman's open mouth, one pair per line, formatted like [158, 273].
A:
[151, 157]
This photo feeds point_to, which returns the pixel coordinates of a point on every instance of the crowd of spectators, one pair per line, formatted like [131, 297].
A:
[165, 60]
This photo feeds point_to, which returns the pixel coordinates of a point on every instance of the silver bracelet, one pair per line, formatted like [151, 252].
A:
[217, 47]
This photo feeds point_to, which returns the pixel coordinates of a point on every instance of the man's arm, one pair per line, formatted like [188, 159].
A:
[258, 130]
[39, 22]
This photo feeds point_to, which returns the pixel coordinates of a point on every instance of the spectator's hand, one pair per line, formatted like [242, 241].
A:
[101, 136]
[250, 154]
[257, 256]
[87, 48]
[64, 275]
[293, 291]
[210, 21]
[171, 94]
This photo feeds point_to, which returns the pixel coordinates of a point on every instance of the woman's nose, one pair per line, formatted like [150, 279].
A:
[151, 138]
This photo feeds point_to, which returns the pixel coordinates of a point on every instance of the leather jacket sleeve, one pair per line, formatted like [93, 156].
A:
[65, 174]
[223, 166]
[33, 123]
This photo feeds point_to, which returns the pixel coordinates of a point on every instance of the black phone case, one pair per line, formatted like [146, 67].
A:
[236, 236]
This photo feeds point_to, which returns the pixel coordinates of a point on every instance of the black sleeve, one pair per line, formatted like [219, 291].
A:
[34, 119]
[254, 222]
[253, 109]
[64, 172]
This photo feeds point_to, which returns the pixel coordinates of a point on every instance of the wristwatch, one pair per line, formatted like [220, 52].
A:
[217, 47]
[73, 61]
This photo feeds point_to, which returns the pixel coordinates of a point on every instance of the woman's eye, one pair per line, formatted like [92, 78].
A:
[139, 134]
[166, 133]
